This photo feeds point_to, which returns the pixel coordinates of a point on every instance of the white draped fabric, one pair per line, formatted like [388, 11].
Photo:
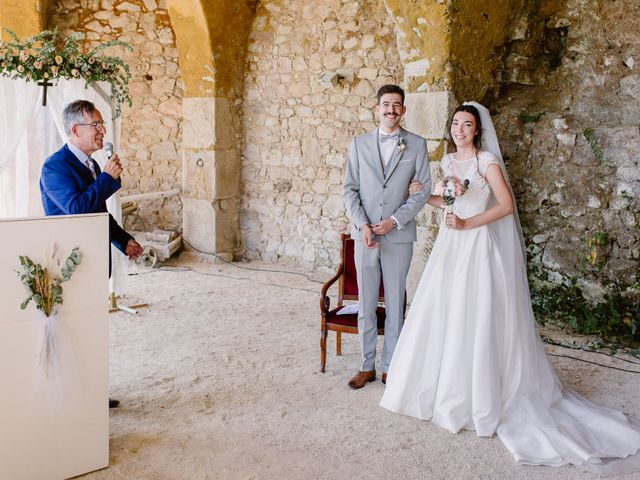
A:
[29, 133]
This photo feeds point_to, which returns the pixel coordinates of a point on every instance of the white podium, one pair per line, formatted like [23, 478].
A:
[56, 427]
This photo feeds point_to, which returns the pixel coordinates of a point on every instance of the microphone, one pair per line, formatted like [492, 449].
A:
[108, 149]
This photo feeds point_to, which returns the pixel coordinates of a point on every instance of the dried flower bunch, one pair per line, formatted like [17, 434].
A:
[43, 284]
[38, 58]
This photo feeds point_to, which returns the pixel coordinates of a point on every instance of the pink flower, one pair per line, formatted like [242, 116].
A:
[38, 64]
[54, 70]
[21, 68]
[24, 55]
[452, 188]
[460, 188]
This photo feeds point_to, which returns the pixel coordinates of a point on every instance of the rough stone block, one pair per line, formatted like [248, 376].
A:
[630, 85]
[198, 174]
[199, 122]
[227, 175]
[208, 123]
[428, 113]
[418, 68]
[128, 7]
[150, 4]
[198, 220]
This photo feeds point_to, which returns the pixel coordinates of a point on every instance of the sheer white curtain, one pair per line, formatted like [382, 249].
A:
[29, 133]
[18, 102]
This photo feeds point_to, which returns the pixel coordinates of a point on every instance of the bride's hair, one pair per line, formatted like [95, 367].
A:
[477, 139]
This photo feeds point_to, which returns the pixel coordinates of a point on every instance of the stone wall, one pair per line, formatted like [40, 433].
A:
[569, 118]
[565, 102]
[151, 128]
[297, 131]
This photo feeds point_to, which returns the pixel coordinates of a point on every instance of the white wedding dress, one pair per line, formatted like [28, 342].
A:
[470, 357]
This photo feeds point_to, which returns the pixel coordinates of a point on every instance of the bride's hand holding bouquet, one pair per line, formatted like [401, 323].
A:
[449, 189]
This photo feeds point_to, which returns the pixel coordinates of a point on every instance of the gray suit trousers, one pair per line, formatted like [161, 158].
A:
[392, 261]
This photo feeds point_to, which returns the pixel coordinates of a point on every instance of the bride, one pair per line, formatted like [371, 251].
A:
[469, 356]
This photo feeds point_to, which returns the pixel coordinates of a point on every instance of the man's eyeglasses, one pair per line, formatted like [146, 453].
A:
[97, 125]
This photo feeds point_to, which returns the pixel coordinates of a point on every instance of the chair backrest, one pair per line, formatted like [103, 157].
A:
[348, 283]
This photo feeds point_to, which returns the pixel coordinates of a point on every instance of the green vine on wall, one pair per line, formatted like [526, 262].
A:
[38, 59]
[587, 133]
[530, 117]
[595, 249]
[616, 314]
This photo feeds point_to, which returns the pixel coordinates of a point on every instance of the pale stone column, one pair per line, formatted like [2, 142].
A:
[428, 115]
[210, 176]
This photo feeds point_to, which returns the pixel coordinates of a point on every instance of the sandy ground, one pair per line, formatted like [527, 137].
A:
[219, 379]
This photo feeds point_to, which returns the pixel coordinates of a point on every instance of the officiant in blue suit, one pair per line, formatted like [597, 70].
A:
[71, 182]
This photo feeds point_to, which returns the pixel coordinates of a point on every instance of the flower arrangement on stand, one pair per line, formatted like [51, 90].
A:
[39, 59]
[43, 285]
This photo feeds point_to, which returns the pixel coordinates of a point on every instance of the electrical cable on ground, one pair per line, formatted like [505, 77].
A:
[544, 338]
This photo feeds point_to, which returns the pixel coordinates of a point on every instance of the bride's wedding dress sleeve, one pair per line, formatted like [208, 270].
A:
[484, 160]
[445, 165]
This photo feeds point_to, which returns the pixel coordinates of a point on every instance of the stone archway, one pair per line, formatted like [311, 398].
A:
[211, 37]
[450, 52]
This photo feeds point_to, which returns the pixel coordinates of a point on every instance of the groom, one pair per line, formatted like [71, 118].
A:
[380, 166]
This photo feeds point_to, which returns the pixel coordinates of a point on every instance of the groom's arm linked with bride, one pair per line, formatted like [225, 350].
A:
[380, 166]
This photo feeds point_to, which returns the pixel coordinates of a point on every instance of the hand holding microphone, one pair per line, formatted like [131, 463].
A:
[112, 167]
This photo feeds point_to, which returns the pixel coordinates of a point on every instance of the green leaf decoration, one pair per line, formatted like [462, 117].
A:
[43, 287]
[38, 58]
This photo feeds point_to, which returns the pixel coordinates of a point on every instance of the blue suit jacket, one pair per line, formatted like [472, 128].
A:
[67, 187]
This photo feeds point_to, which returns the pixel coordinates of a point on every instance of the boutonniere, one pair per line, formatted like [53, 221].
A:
[401, 145]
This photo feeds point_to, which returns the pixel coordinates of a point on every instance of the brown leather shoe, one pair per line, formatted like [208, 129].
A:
[384, 378]
[361, 379]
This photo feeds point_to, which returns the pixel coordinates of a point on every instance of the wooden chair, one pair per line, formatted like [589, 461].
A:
[347, 290]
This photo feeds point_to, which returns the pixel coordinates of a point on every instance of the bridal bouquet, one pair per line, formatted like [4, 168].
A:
[451, 188]
[43, 285]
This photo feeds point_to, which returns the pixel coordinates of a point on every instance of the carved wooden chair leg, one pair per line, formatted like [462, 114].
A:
[323, 349]
[338, 343]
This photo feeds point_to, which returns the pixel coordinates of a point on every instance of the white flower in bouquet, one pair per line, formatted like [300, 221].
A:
[451, 188]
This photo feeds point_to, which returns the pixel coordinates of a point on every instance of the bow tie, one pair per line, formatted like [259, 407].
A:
[384, 137]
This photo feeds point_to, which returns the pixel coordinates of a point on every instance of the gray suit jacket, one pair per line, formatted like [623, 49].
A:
[373, 192]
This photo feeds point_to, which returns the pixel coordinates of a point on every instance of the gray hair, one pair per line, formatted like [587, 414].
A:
[73, 112]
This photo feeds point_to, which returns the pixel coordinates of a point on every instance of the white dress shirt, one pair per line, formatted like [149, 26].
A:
[388, 147]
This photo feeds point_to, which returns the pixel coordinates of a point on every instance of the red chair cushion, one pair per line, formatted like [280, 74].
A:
[350, 274]
[351, 320]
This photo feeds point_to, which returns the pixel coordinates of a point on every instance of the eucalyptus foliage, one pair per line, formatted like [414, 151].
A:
[43, 287]
[39, 58]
